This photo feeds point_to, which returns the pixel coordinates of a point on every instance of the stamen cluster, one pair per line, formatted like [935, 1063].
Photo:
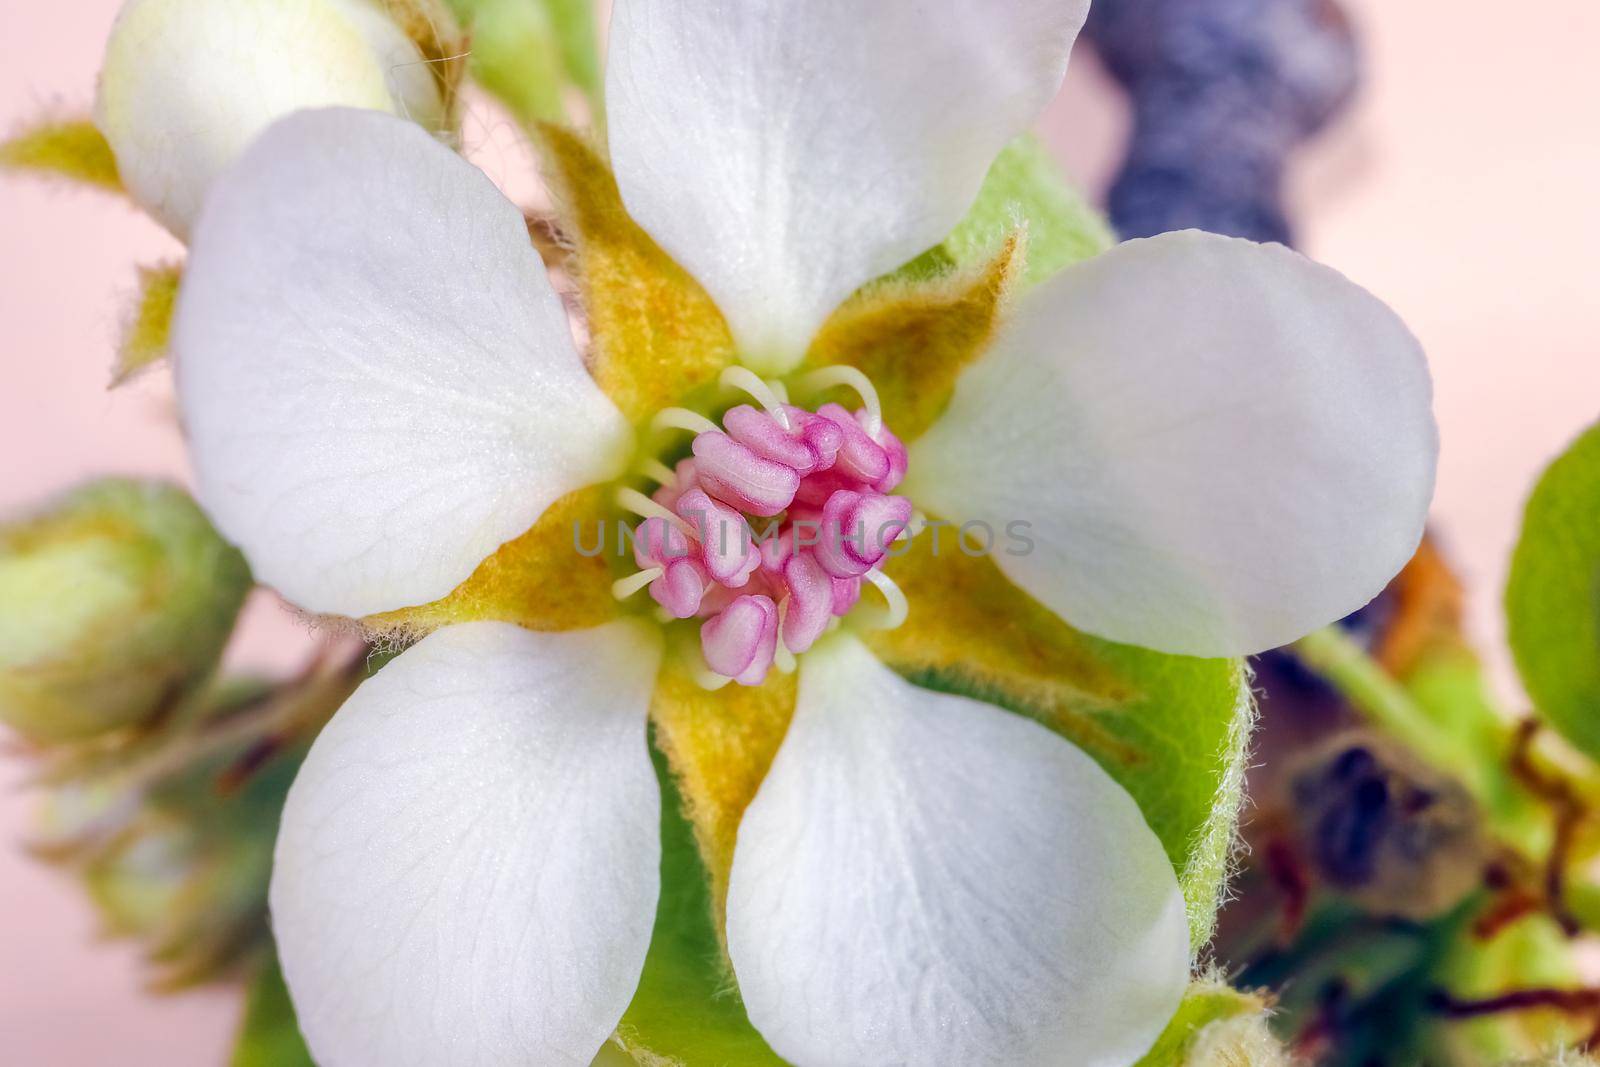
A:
[823, 479]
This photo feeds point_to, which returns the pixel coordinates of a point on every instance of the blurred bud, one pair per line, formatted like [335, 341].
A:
[1243, 1041]
[179, 864]
[528, 53]
[187, 84]
[114, 604]
[1395, 836]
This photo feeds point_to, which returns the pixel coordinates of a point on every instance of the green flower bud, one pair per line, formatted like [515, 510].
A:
[114, 603]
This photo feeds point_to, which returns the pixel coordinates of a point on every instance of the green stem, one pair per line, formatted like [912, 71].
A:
[1334, 655]
[1519, 819]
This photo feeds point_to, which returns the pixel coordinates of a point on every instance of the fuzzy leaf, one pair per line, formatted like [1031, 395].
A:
[73, 149]
[1553, 596]
[1172, 730]
[270, 1036]
[147, 330]
[656, 334]
[686, 1010]
[913, 339]
[1205, 1003]
[538, 581]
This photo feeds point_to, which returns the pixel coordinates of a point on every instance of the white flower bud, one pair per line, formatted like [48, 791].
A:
[187, 84]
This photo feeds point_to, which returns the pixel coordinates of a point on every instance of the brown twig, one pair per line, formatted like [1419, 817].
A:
[302, 708]
[1579, 1002]
[1570, 1001]
[1288, 874]
[1569, 815]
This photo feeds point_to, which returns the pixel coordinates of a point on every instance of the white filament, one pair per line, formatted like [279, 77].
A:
[623, 588]
[898, 610]
[747, 380]
[642, 506]
[828, 377]
[683, 419]
[659, 471]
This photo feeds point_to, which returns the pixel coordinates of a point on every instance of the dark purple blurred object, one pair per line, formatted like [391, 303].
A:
[1223, 91]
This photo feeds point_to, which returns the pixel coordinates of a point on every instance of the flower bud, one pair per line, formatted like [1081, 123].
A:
[187, 84]
[113, 605]
[1243, 1041]
[180, 867]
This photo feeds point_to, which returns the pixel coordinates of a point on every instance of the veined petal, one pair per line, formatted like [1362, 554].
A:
[187, 84]
[786, 153]
[469, 859]
[1217, 445]
[378, 380]
[923, 878]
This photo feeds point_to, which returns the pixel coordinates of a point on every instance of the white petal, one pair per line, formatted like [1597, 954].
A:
[187, 84]
[467, 868]
[926, 879]
[785, 152]
[379, 383]
[1219, 445]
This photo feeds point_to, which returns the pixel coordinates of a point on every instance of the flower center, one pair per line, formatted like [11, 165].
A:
[767, 529]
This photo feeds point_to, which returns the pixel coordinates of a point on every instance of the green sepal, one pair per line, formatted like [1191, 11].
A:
[1205, 1003]
[1553, 596]
[269, 1035]
[687, 1009]
[1179, 744]
[73, 149]
[1025, 188]
[1171, 730]
[147, 327]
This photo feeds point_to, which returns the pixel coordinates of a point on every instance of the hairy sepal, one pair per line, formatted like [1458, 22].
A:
[1172, 730]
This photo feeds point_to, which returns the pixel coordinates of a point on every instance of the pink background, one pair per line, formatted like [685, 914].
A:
[1462, 190]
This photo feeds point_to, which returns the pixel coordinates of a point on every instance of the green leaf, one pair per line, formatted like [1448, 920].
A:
[1025, 188]
[1553, 596]
[527, 52]
[269, 1036]
[686, 1009]
[1205, 1003]
[71, 148]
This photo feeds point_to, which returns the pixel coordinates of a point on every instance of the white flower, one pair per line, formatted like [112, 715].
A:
[1219, 445]
[187, 84]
